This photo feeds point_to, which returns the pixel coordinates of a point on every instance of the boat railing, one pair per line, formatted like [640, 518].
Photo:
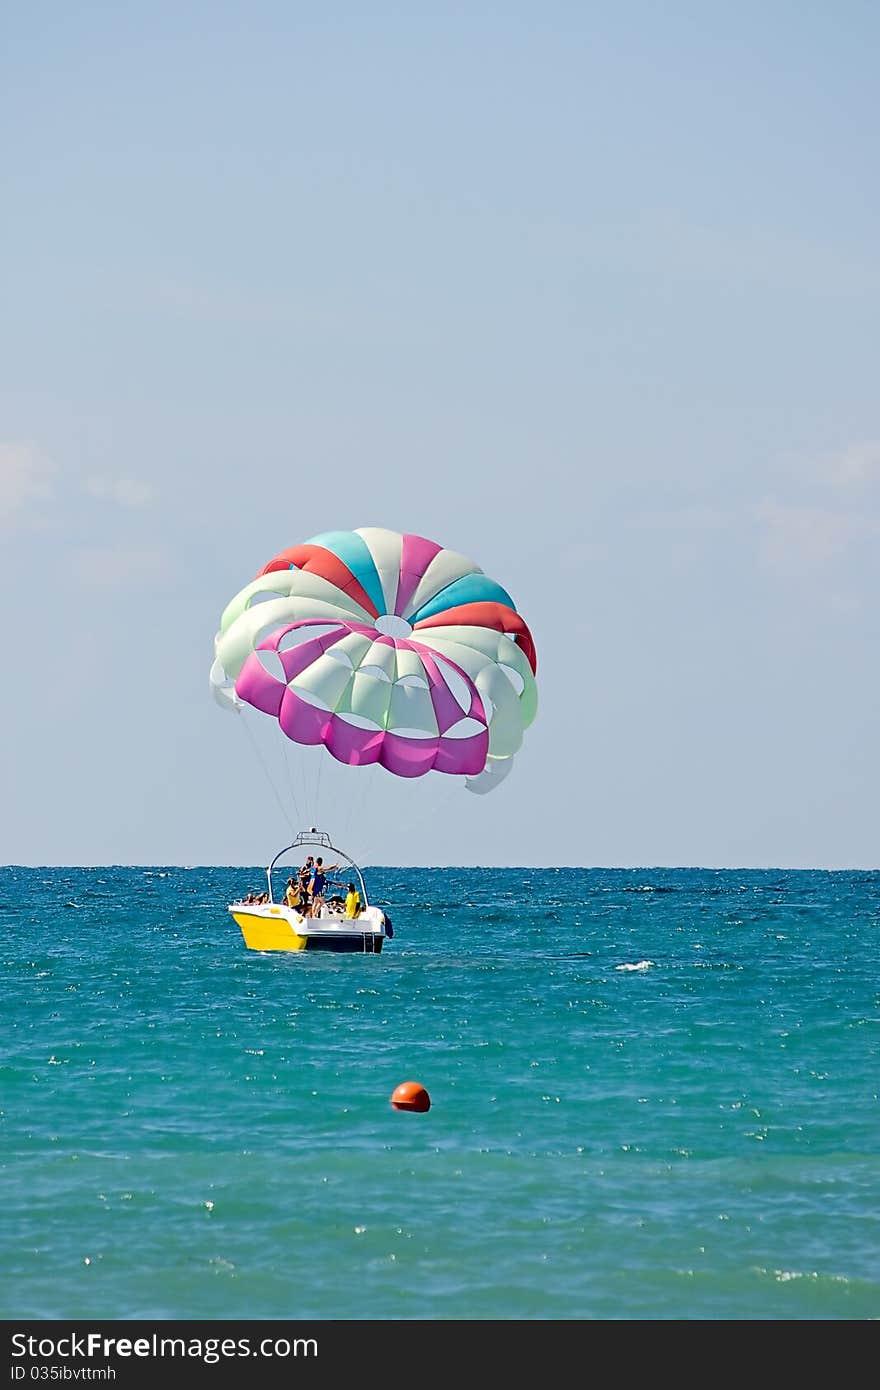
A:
[322, 839]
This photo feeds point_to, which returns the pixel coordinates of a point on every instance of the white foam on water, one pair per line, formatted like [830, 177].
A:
[639, 965]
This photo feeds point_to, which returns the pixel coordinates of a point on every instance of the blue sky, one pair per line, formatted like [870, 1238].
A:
[589, 293]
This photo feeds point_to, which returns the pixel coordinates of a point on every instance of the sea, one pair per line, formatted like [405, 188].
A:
[654, 1095]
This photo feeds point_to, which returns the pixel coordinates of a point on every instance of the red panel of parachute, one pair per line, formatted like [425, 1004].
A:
[487, 614]
[317, 560]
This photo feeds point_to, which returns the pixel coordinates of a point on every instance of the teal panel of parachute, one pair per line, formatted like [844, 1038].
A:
[352, 550]
[471, 588]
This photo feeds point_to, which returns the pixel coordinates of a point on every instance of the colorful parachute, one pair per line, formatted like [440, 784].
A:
[386, 648]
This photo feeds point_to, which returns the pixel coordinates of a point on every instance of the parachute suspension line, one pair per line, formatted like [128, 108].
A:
[355, 802]
[370, 780]
[317, 817]
[269, 778]
[291, 779]
[431, 806]
[302, 758]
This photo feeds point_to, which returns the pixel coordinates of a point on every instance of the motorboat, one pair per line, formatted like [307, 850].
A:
[270, 925]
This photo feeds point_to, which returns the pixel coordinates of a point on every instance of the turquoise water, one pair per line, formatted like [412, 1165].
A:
[191, 1130]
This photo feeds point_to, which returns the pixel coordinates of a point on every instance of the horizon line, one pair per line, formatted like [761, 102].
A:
[542, 867]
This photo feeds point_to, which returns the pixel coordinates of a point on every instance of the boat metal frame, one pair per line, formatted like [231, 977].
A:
[322, 839]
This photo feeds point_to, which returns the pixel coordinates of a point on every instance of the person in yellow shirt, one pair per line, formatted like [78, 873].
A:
[293, 895]
[352, 901]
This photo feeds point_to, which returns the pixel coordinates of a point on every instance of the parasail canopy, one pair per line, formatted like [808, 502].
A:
[386, 648]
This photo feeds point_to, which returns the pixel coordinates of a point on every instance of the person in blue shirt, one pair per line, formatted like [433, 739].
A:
[318, 883]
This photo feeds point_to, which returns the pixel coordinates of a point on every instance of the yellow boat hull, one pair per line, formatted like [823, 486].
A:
[269, 933]
[276, 929]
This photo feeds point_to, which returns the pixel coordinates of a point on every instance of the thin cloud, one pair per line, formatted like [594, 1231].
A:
[218, 304]
[853, 467]
[110, 565]
[576, 557]
[693, 518]
[125, 492]
[26, 479]
[798, 540]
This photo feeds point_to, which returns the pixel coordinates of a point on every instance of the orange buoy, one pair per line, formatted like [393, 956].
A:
[409, 1095]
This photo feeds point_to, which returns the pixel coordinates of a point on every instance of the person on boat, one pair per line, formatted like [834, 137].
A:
[318, 884]
[352, 901]
[293, 895]
[304, 878]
